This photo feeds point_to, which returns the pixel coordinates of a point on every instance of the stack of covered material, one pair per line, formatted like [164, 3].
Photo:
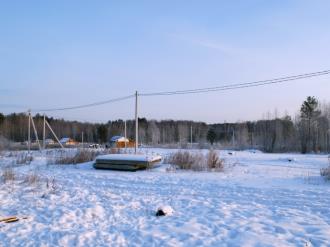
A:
[126, 162]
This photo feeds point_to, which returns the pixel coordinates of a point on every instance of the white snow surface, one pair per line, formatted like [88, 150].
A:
[260, 200]
[130, 157]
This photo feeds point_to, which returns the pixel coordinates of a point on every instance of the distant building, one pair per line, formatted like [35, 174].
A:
[68, 141]
[119, 142]
[49, 142]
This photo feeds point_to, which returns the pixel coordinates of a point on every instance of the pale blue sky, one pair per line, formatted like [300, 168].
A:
[64, 53]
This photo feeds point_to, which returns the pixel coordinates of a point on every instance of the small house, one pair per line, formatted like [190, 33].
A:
[120, 141]
[68, 141]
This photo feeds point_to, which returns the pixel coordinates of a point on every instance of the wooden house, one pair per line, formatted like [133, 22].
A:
[120, 141]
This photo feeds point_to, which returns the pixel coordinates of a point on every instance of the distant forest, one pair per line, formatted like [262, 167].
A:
[308, 131]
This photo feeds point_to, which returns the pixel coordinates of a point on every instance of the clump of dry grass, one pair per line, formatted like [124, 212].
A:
[196, 161]
[32, 178]
[23, 158]
[8, 174]
[183, 159]
[81, 156]
[51, 185]
[4, 143]
[325, 172]
[214, 162]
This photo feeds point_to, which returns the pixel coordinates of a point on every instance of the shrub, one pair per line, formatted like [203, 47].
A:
[214, 162]
[196, 161]
[182, 159]
[81, 156]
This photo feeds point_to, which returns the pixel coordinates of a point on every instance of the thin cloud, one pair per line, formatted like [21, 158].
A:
[206, 43]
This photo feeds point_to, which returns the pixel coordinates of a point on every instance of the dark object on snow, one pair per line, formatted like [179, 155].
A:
[9, 219]
[126, 162]
[160, 212]
[164, 210]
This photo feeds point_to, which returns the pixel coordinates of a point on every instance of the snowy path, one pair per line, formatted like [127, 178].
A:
[262, 201]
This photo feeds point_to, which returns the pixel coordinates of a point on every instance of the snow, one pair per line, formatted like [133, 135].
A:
[260, 200]
[130, 157]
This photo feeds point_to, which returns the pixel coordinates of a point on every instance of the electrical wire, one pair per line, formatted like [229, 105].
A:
[86, 105]
[198, 90]
[239, 85]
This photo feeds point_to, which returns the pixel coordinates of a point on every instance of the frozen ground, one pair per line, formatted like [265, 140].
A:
[260, 200]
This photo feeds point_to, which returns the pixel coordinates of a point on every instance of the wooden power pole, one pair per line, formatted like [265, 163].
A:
[136, 123]
[44, 134]
[29, 131]
[125, 135]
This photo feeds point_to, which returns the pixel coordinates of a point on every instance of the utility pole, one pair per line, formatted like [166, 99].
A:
[82, 139]
[29, 131]
[44, 134]
[35, 133]
[233, 139]
[328, 138]
[125, 135]
[191, 136]
[136, 122]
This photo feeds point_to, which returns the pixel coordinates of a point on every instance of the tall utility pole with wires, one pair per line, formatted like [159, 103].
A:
[29, 131]
[125, 133]
[136, 123]
[191, 139]
[30, 121]
[233, 139]
[82, 139]
[44, 134]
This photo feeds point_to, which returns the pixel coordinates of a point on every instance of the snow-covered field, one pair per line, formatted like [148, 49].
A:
[260, 200]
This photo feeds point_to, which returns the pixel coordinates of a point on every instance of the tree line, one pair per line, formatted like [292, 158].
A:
[308, 131]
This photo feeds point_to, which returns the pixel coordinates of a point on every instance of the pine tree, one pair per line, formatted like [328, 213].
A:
[308, 113]
[211, 135]
[2, 118]
[102, 133]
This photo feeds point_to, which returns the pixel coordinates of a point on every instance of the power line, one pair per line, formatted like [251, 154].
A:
[86, 105]
[12, 106]
[193, 91]
[239, 85]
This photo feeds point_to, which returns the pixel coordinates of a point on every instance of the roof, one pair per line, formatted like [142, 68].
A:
[65, 139]
[119, 139]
